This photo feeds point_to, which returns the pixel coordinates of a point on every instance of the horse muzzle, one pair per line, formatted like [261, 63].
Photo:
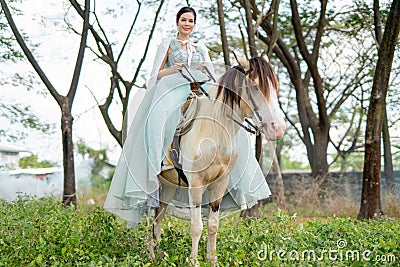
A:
[273, 131]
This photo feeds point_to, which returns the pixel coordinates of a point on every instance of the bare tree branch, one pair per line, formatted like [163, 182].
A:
[148, 42]
[117, 134]
[274, 37]
[79, 60]
[130, 31]
[261, 16]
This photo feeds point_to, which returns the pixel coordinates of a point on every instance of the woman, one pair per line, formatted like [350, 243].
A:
[135, 187]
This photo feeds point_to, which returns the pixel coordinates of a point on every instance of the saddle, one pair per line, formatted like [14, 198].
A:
[189, 111]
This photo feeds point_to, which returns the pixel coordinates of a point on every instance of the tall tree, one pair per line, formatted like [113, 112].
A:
[371, 199]
[64, 102]
[253, 211]
[387, 151]
[251, 30]
[253, 53]
[315, 125]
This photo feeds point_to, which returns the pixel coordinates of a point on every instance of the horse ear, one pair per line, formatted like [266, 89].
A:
[264, 56]
[242, 61]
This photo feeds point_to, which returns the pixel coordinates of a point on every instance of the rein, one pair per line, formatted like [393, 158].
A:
[195, 85]
[255, 130]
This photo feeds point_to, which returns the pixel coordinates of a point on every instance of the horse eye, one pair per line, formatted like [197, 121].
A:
[255, 87]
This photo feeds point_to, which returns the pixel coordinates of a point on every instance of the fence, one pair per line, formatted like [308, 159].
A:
[348, 184]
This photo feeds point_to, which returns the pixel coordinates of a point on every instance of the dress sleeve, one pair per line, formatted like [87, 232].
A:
[161, 51]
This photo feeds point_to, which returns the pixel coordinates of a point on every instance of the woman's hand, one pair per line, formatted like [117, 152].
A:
[178, 66]
[202, 68]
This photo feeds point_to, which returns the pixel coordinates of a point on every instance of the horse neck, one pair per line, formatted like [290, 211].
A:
[220, 117]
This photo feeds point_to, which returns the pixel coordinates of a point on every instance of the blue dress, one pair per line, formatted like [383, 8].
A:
[135, 187]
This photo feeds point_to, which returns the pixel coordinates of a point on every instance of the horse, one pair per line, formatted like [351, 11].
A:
[208, 150]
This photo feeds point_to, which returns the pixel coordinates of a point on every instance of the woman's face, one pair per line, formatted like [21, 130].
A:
[186, 23]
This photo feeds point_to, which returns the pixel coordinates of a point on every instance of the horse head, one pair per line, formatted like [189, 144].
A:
[258, 96]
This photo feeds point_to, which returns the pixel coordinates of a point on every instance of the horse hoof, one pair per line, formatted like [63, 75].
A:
[212, 259]
[161, 254]
[194, 263]
[152, 244]
[152, 255]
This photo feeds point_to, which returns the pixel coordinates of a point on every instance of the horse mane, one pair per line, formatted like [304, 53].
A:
[261, 69]
[231, 82]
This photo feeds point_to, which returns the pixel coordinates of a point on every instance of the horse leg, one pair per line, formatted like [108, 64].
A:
[196, 224]
[217, 190]
[166, 195]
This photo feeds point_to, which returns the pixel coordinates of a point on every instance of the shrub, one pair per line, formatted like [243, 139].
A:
[39, 232]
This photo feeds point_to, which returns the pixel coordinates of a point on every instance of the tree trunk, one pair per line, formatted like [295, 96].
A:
[224, 39]
[250, 29]
[280, 189]
[254, 211]
[387, 156]
[387, 150]
[69, 196]
[319, 162]
[370, 198]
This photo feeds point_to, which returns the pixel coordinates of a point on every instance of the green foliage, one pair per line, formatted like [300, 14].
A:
[8, 51]
[20, 115]
[353, 162]
[42, 233]
[33, 162]
[99, 156]
[99, 161]
[15, 118]
[287, 163]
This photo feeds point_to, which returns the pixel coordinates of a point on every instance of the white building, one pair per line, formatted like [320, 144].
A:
[10, 155]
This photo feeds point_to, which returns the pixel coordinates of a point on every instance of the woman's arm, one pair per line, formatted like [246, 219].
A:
[202, 48]
[164, 72]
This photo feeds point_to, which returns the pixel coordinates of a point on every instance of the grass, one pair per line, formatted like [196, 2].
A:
[39, 232]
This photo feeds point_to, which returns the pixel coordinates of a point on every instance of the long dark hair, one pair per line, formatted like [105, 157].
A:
[185, 9]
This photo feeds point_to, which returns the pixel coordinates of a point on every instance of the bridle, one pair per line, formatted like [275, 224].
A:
[254, 129]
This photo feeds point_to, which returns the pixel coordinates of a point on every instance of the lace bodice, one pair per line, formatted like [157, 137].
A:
[179, 54]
